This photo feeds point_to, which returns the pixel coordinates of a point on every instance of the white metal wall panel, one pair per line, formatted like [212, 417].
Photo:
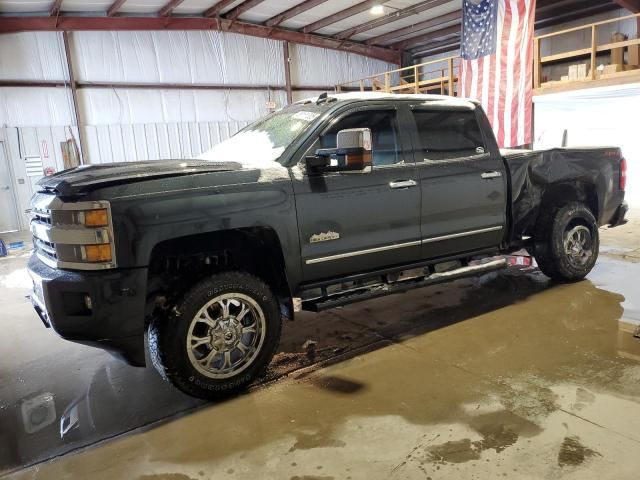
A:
[205, 57]
[25, 142]
[32, 56]
[34, 107]
[102, 106]
[325, 67]
[154, 141]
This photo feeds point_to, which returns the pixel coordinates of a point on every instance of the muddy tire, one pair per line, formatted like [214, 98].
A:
[219, 336]
[568, 242]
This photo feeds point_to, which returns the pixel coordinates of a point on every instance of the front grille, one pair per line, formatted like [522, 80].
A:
[46, 248]
[41, 217]
[41, 221]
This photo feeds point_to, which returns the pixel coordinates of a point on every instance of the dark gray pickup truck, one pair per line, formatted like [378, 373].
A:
[326, 202]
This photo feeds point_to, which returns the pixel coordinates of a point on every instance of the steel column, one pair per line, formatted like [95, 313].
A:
[74, 94]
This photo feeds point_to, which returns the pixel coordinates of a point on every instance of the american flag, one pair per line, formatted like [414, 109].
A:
[496, 65]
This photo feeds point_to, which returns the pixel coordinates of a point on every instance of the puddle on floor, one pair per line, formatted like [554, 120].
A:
[486, 356]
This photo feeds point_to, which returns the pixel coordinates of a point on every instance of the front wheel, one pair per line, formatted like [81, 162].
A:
[568, 243]
[220, 335]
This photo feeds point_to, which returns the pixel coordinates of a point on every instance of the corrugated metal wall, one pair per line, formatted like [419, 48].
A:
[154, 141]
[129, 124]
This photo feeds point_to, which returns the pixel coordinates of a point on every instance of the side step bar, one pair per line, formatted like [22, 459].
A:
[380, 290]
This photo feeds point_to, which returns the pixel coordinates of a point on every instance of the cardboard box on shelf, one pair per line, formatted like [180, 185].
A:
[613, 68]
[582, 71]
[577, 72]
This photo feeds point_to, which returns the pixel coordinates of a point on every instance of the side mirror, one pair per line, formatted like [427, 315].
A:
[353, 152]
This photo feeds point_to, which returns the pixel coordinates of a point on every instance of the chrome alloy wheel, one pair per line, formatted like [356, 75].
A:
[226, 335]
[578, 245]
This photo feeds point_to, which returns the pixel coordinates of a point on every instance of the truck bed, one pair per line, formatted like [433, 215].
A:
[533, 173]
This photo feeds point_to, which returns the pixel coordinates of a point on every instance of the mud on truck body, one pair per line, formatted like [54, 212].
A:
[326, 202]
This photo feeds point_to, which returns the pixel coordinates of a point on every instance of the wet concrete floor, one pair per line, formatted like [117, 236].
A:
[506, 375]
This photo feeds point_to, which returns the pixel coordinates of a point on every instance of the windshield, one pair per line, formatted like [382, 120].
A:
[264, 141]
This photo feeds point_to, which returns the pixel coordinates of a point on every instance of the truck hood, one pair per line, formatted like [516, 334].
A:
[89, 177]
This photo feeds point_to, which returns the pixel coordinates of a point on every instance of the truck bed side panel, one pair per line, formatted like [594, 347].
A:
[534, 173]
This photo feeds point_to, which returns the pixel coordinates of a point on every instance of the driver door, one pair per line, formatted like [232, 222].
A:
[357, 221]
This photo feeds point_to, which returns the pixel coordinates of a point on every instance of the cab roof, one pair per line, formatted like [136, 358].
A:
[441, 100]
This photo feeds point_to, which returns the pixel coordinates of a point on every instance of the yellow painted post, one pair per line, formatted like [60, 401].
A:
[536, 63]
[416, 80]
[387, 82]
[450, 65]
[594, 51]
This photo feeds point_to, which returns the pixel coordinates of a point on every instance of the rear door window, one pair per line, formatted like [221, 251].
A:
[447, 135]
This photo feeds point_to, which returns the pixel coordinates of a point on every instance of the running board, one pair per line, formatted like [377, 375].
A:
[366, 293]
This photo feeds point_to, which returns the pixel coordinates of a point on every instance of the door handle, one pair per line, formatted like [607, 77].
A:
[403, 184]
[490, 175]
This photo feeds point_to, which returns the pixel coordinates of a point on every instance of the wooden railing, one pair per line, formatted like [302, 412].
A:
[590, 52]
[441, 76]
[433, 76]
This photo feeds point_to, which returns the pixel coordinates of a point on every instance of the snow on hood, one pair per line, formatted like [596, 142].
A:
[252, 150]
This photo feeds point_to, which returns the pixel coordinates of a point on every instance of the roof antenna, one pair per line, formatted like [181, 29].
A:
[325, 98]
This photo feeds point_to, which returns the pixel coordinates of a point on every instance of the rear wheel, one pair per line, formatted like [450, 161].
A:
[567, 243]
[220, 335]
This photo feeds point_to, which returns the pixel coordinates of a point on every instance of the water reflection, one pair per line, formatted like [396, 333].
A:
[562, 329]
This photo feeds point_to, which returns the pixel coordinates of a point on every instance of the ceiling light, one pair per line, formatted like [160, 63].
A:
[377, 10]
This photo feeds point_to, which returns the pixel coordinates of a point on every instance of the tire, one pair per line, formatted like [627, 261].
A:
[210, 319]
[574, 224]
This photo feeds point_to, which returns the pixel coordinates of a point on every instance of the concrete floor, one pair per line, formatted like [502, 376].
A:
[504, 375]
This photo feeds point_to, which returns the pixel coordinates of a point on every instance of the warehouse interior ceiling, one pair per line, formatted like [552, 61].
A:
[375, 28]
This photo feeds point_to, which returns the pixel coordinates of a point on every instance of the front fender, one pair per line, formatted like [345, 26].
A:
[142, 222]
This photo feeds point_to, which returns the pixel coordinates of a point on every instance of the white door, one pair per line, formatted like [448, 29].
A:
[8, 217]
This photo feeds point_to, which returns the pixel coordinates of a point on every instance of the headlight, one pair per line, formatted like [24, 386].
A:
[96, 253]
[94, 218]
[73, 235]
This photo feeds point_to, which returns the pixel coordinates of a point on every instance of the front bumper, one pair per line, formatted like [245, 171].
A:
[115, 320]
[619, 218]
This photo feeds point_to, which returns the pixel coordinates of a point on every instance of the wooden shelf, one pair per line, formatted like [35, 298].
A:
[619, 78]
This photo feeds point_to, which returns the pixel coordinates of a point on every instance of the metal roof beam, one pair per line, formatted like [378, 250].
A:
[391, 17]
[632, 5]
[217, 8]
[571, 12]
[341, 15]
[417, 27]
[293, 12]
[452, 48]
[427, 37]
[433, 48]
[115, 6]
[54, 11]
[69, 23]
[551, 16]
[168, 8]
[243, 7]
